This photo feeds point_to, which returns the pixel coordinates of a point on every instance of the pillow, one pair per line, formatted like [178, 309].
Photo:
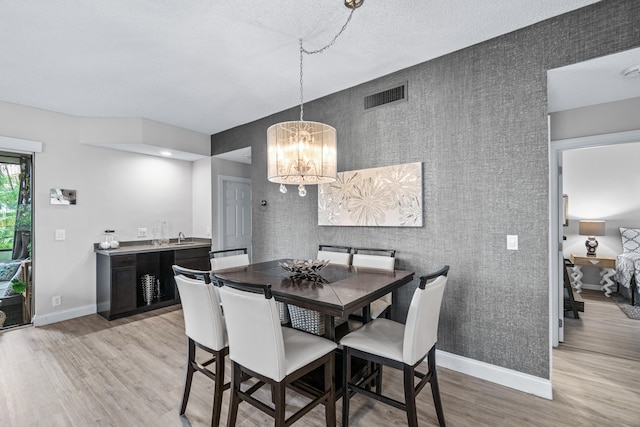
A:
[8, 269]
[630, 239]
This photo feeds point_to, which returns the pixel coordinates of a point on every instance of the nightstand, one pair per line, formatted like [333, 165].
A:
[606, 264]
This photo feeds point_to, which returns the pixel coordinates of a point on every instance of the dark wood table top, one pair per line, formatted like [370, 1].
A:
[348, 288]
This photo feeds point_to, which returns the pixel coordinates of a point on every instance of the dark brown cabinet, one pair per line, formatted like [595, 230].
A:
[196, 258]
[119, 290]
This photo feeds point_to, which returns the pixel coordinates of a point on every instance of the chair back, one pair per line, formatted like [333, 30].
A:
[371, 251]
[253, 326]
[421, 329]
[374, 261]
[203, 321]
[340, 255]
[205, 276]
[222, 259]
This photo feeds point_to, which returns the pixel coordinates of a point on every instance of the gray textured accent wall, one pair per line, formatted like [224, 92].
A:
[477, 121]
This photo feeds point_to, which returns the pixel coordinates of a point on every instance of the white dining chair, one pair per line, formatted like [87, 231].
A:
[381, 262]
[228, 258]
[340, 255]
[205, 328]
[259, 347]
[385, 342]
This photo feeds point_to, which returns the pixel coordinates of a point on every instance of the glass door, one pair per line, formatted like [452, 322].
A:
[15, 239]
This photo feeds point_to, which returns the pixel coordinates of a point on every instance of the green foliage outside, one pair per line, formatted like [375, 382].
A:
[18, 286]
[9, 189]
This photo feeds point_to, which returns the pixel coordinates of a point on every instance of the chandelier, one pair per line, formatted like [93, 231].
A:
[303, 152]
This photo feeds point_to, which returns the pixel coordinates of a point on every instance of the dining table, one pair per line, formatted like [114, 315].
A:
[339, 291]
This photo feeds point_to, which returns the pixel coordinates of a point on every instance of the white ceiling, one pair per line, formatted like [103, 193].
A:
[593, 82]
[209, 65]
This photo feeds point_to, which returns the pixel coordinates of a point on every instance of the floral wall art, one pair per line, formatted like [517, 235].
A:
[389, 196]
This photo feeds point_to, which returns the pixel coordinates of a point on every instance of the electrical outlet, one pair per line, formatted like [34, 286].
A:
[60, 235]
[142, 232]
[56, 300]
[512, 242]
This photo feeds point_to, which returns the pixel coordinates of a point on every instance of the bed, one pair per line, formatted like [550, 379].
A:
[628, 264]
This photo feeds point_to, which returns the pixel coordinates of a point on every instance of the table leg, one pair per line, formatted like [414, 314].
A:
[606, 282]
[576, 277]
[393, 310]
[329, 327]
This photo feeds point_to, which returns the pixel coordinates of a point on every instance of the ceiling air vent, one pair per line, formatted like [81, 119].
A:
[385, 97]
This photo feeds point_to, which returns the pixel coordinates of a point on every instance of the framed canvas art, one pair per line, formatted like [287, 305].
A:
[389, 196]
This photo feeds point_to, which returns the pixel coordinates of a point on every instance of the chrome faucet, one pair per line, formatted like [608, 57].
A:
[181, 237]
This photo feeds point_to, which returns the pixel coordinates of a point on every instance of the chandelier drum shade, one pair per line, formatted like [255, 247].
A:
[301, 152]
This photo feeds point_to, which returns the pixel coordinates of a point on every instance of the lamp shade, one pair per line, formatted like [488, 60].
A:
[591, 228]
[301, 152]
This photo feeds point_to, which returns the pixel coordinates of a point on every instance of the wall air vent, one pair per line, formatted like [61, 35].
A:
[393, 95]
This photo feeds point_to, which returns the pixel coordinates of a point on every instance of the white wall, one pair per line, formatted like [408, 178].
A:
[602, 183]
[202, 198]
[115, 189]
[601, 119]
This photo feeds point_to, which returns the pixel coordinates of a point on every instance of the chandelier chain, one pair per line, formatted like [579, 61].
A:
[313, 52]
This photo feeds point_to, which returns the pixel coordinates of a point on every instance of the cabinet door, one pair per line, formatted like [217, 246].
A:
[196, 258]
[123, 289]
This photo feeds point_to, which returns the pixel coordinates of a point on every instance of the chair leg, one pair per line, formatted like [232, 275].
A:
[219, 388]
[329, 384]
[191, 355]
[279, 401]
[435, 389]
[346, 377]
[410, 396]
[379, 379]
[236, 380]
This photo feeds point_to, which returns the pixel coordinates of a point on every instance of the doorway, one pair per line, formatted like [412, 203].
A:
[592, 97]
[16, 291]
[555, 157]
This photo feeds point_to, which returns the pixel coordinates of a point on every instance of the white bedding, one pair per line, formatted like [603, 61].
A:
[628, 265]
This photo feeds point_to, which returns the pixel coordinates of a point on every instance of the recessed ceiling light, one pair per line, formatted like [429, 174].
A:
[633, 71]
[166, 153]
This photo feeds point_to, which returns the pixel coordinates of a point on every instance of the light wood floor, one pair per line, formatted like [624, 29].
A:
[129, 372]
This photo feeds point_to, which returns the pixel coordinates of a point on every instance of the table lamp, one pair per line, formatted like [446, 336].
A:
[591, 229]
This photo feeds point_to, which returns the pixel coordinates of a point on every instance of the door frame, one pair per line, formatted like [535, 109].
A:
[556, 149]
[221, 180]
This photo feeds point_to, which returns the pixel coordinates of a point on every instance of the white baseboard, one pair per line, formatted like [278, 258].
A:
[58, 316]
[507, 377]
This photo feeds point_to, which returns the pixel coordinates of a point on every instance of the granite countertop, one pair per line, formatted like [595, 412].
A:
[142, 246]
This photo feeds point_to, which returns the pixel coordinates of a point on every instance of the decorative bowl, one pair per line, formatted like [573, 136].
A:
[308, 270]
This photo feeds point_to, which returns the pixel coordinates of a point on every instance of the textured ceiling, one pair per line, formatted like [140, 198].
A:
[212, 65]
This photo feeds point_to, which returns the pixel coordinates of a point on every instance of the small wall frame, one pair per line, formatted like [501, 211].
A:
[63, 196]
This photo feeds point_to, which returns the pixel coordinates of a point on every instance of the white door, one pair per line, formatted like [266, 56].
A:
[235, 227]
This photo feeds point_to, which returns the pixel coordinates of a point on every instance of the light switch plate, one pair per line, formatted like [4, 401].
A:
[60, 235]
[512, 242]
